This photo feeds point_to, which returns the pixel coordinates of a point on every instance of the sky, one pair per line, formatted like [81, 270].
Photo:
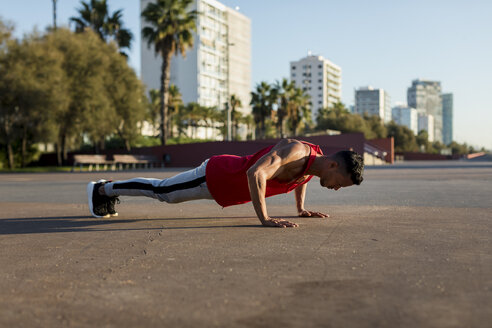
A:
[385, 44]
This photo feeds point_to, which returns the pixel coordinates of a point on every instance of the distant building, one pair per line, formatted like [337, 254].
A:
[218, 65]
[425, 96]
[406, 116]
[447, 118]
[426, 122]
[320, 78]
[373, 102]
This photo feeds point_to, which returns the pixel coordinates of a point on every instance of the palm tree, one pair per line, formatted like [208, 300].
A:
[235, 115]
[190, 116]
[261, 106]
[298, 109]
[174, 102]
[284, 91]
[170, 31]
[95, 15]
[248, 121]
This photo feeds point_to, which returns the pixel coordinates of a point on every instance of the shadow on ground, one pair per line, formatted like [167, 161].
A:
[12, 226]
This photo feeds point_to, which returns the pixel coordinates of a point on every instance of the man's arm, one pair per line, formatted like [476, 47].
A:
[268, 167]
[300, 195]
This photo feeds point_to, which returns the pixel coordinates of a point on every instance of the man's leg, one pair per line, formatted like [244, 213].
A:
[189, 185]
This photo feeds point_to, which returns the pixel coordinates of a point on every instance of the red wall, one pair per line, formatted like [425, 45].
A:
[388, 144]
[189, 155]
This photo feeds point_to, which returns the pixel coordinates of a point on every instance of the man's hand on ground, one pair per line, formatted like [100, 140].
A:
[306, 213]
[281, 223]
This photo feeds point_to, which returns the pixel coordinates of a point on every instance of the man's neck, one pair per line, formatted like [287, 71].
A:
[316, 167]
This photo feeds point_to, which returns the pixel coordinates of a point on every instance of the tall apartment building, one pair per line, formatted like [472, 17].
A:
[425, 96]
[406, 116]
[218, 65]
[320, 78]
[373, 102]
[447, 118]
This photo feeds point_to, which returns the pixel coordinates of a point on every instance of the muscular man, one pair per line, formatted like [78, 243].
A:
[232, 180]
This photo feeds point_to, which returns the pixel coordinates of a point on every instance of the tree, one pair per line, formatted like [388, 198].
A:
[193, 116]
[404, 138]
[284, 90]
[89, 110]
[105, 96]
[235, 102]
[154, 106]
[95, 15]
[375, 127]
[7, 112]
[190, 117]
[65, 88]
[458, 149]
[126, 95]
[174, 103]
[339, 118]
[437, 147]
[32, 87]
[170, 31]
[298, 109]
[249, 121]
[262, 109]
[422, 139]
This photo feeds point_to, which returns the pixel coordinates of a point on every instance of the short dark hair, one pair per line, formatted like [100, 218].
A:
[353, 163]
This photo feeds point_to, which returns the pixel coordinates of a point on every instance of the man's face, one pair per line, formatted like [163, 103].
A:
[335, 179]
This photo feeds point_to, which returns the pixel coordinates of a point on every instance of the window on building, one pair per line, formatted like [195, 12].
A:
[293, 67]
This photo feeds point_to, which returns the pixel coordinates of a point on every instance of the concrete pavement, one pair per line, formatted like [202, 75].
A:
[410, 247]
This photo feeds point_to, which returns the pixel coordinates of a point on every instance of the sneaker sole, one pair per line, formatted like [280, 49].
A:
[90, 190]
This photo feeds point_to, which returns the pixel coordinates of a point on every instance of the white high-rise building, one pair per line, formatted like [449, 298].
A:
[320, 78]
[373, 102]
[218, 65]
[406, 116]
[426, 122]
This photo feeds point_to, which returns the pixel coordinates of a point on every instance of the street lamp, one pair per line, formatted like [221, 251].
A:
[54, 14]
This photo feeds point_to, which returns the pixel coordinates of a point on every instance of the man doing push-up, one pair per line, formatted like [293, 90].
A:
[232, 180]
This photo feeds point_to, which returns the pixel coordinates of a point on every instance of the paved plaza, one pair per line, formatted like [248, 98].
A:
[410, 247]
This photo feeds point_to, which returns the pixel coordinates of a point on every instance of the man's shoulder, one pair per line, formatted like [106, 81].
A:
[292, 148]
[289, 143]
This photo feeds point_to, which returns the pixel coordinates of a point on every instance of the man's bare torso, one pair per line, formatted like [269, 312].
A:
[294, 156]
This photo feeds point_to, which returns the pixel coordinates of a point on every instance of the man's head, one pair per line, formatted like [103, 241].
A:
[344, 169]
